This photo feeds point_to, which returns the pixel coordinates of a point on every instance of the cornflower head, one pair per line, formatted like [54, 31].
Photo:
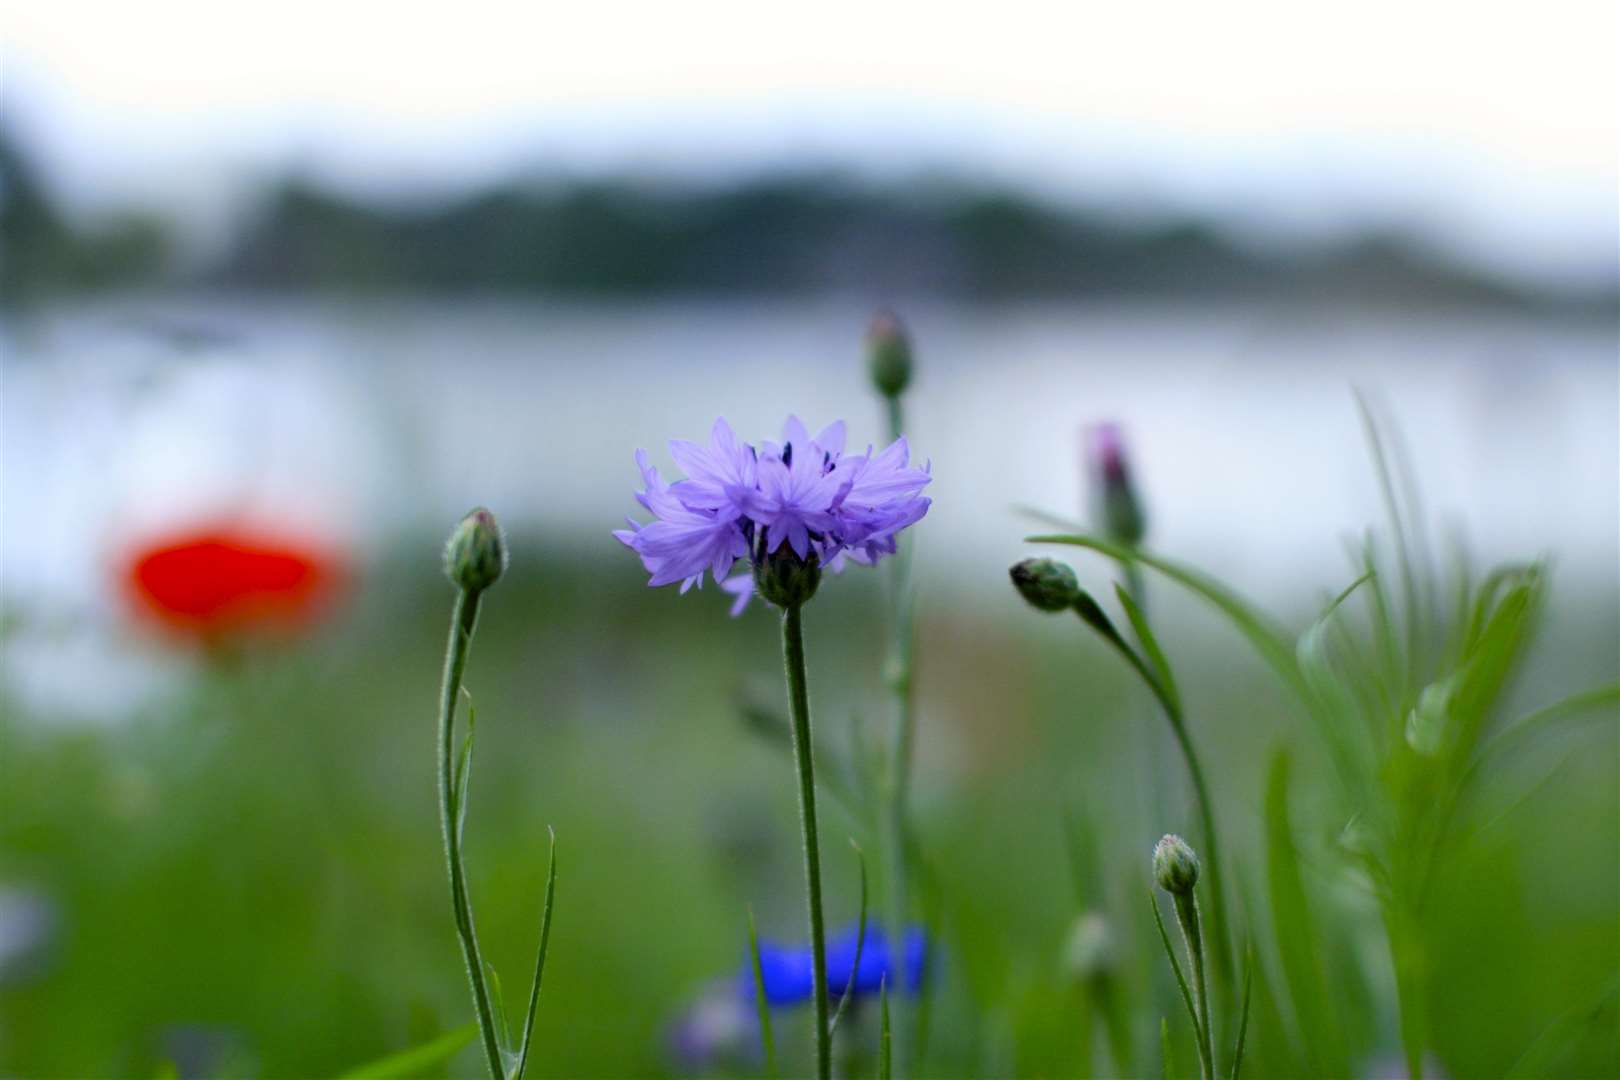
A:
[790, 509]
[785, 970]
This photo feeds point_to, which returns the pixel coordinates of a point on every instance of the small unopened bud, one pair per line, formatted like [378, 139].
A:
[1175, 865]
[1090, 950]
[888, 354]
[475, 557]
[786, 580]
[1046, 583]
[1113, 494]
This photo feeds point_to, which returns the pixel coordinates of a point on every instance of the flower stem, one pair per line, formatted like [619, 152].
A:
[1187, 916]
[463, 618]
[897, 781]
[799, 707]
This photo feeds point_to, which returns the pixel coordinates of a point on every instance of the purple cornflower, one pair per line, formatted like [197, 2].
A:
[804, 495]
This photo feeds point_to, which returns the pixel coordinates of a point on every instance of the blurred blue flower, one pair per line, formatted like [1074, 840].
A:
[786, 968]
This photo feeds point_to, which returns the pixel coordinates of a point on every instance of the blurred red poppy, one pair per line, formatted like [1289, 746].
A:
[226, 581]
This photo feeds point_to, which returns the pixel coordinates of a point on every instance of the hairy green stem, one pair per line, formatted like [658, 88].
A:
[803, 759]
[463, 618]
[1192, 933]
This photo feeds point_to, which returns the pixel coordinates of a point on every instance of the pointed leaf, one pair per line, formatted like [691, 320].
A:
[540, 957]
[1268, 639]
[860, 944]
[1150, 645]
[1243, 1021]
[760, 1001]
[417, 1060]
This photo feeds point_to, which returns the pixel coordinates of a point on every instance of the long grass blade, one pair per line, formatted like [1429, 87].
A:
[1274, 645]
[540, 957]
[1517, 734]
[860, 944]
[417, 1060]
[1297, 944]
[1167, 1064]
[1243, 1019]
[1150, 644]
[760, 1001]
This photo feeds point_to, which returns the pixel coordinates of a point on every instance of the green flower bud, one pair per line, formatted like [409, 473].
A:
[888, 354]
[475, 557]
[1090, 950]
[1175, 865]
[786, 580]
[1046, 583]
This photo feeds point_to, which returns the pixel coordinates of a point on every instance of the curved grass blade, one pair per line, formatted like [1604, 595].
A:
[503, 1029]
[540, 957]
[1150, 644]
[1243, 1021]
[1181, 983]
[1267, 637]
[1296, 937]
[1559, 1037]
[885, 1038]
[760, 1001]
[1167, 1066]
[860, 944]
[417, 1060]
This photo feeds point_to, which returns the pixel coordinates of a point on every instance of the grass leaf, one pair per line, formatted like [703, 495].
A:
[860, 944]
[760, 1001]
[1150, 645]
[418, 1059]
[540, 957]
[1272, 643]
[1243, 1020]
[1167, 1067]
[1297, 944]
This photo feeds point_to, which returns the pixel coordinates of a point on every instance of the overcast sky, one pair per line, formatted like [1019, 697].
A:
[1491, 127]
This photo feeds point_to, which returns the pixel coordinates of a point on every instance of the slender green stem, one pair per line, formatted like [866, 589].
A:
[799, 707]
[1187, 916]
[463, 618]
[897, 781]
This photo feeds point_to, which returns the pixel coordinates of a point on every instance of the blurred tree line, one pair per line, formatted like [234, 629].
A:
[787, 233]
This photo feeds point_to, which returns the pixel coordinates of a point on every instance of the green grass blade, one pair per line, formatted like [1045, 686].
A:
[1243, 1020]
[498, 999]
[1410, 604]
[1167, 1066]
[1297, 944]
[760, 1002]
[1521, 732]
[1181, 981]
[1274, 645]
[860, 944]
[885, 1036]
[417, 1060]
[1150, 645]
[1559, 1037]
[540, 958]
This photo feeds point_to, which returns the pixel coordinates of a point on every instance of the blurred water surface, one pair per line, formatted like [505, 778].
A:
[361, 420]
